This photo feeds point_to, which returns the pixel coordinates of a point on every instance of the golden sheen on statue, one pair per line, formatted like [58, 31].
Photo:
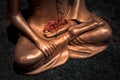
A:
[54, 32]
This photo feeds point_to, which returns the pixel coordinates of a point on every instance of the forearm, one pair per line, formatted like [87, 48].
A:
[23, 26]
[18, 20]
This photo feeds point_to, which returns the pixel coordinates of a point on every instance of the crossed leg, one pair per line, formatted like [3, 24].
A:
[91, 42]
[26, 55]
[29, 57]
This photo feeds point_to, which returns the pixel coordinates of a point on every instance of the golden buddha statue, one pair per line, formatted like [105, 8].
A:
[55, 32]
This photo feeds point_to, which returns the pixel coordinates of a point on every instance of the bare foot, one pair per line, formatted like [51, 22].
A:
[98, 21]
[90, 25]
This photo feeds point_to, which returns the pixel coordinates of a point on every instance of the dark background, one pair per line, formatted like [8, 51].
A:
[104, 66]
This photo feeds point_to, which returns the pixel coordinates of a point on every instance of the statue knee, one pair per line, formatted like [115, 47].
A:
[27, 60]
[105, 33]
[21, 60]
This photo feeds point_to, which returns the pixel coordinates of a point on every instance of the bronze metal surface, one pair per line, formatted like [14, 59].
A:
[55, 32]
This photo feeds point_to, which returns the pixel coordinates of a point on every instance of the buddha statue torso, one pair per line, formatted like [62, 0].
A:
[45, 12]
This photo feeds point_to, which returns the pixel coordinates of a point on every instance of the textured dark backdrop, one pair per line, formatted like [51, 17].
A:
[104, 66]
